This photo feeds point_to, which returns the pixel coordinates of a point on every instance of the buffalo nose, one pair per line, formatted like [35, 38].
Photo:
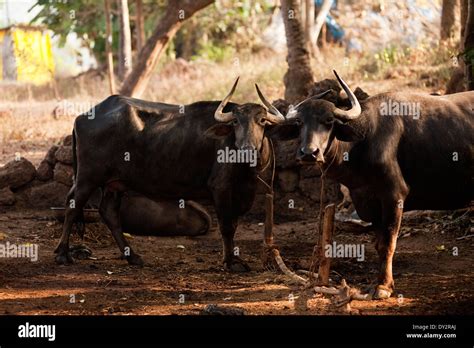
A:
[304, 151]
[307, 155]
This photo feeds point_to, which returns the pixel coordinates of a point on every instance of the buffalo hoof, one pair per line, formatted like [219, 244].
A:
[64, 259]
[382, 292]
[236, 265]
[135, 260]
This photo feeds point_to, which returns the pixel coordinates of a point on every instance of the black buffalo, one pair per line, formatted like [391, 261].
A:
[394, 151]
[142, 216]
[167, 152]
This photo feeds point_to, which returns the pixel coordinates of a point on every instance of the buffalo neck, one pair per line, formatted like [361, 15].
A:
[340, 157]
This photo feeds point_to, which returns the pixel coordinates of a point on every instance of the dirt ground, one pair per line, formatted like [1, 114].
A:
[182, 275]
[433, 269]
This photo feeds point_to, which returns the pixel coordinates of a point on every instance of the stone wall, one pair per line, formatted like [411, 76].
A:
[21, 184]
[297, 188]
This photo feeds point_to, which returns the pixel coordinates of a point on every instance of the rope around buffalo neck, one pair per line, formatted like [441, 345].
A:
[272, 159]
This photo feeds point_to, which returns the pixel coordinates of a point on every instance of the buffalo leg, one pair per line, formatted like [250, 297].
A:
[109, 210]
[386, 242]
[232, 260]
[73, 211]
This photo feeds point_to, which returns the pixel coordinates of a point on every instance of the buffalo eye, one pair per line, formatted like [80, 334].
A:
[329, 121]
[262, 121]
[298, 121]
[235, 122]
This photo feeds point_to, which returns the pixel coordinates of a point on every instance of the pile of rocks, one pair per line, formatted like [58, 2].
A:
[22, 184]
[296, 187]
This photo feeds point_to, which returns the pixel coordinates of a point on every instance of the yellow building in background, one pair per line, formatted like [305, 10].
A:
[26, 54]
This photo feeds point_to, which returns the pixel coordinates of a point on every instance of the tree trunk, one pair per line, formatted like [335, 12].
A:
[447, 19]
[464, 11]
[140, 27]
[303, 15]
[321, 17]
[108, 47]
[324, 35]
[308, 28]
[469, 46]
[125, 44]
[176, 13]
[299, 77]
[457, 81]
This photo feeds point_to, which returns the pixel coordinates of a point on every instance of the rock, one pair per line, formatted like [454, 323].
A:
[64, 154]
[310, 171]
[288, 180]
[50, 156]
[311, 188]
[45, 171]
[457, 82]
[63, 174]
[67, 140]
[17, 173]
[48, 195]
[213, 309]
[285, 152]
[258, 206]
[6, 197]
[290, 204]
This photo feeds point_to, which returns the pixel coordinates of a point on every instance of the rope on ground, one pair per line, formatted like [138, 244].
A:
[343, 294]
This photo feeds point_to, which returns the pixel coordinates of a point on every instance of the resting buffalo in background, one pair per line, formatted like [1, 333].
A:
[143, 216]
[167, 152]
[140, 215]
[390, 161]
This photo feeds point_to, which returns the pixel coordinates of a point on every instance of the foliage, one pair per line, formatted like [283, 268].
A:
[80, 17]
[86, 18]
[215, 34]
[468, 55]
[215, 53]
[392, 55]
[227, 27]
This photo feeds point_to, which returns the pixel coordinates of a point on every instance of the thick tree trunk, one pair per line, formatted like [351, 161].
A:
[469, 46]
[108, 47]
[457, 81]
[448, 19]
[176, 13]
[125, 44]
[299, 77]
[140, 26]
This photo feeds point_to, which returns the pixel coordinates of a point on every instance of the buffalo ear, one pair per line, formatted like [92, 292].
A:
[218, 131]
[345, 132]
[283, 131]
